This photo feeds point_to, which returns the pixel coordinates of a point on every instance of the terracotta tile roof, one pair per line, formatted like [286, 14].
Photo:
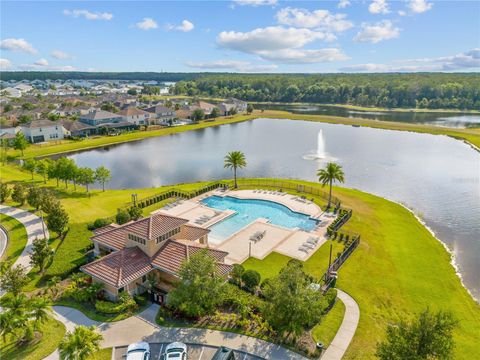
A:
[102, 229]
[114, 238]
[190, 232]
[120, 268]
[155, 225]
[172, 255]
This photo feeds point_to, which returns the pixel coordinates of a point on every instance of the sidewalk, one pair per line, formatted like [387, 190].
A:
[347, 329]
[34, 228]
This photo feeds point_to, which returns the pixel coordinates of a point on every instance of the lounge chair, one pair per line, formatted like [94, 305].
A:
[312, 240]
[307, 245]
[304, 249]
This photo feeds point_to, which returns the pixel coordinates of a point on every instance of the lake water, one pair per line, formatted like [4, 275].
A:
[436, 176]
[459, 120]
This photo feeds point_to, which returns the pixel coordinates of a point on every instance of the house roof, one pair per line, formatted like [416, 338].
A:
[40, 123]
[130, 111]
[158, 109]
[173, 254]
[155, 225]
[205, 105]
[99, 115]
[120, 267]
[72, 125]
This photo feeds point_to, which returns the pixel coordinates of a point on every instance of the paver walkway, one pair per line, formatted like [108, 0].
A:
[347, 329]
[34, 228]
[143, 328]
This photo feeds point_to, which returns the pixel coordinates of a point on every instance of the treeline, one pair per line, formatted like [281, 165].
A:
[428, 90]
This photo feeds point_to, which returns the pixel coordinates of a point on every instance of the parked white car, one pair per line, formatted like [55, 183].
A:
[176, 351]
[138, 351]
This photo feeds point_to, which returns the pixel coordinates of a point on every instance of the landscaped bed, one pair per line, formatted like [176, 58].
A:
[17, 238]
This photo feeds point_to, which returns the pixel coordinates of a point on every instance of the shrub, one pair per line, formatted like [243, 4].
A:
[122, 217]
[329, 300]
[251, 279]
[140, 299]
[108, 307]
[100, 223]
[236, 274]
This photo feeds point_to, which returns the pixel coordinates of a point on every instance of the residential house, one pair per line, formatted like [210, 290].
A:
[77, 128]
[227, 106]
[42, 130]
[12, 92]
[99, 117]
[155, 246]
[206, 107]
[162, 115]
[135, 116]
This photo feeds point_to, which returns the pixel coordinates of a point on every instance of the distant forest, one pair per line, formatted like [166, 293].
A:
[417, 90]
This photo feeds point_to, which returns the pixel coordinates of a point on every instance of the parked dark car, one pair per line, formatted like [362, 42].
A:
[224, 353]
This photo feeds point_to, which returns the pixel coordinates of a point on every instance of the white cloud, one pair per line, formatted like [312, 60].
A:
[402, 13]
[377, 32]
[319, 19]
[88, 14]
[47, 68]
[255, 2]
[379, 7]
[5, 64]
[268, 39]
[233, 65]
[17, 45]
[186, 26]
[147, 24]
[59, 54]
[41, 62]
[304, 56]
[342, 4]
[419, 6]
[469, 60]
[279, 44]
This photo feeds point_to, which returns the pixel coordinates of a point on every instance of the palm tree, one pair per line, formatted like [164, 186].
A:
[332, 173]
[40, 310]
[80, 343]
[234, 160]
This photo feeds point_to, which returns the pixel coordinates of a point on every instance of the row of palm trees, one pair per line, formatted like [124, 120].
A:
[329, 175]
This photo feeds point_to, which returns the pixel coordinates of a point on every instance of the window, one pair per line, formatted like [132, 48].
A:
[137, 239]
[167, 235]
[121, 290]
[144, 278]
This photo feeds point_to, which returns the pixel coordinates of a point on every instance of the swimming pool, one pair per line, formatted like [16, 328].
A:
[248, 210]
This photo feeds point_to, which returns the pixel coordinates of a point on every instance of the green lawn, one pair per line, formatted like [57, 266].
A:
[325, 331]
[103, 354]
[52, 333]
[17, 238]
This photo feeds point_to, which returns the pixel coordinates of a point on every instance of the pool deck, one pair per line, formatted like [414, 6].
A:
[295, 243]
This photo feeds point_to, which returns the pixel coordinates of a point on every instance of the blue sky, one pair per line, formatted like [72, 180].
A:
[241, 35]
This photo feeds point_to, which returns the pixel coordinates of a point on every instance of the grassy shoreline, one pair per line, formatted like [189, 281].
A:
[399, 268]
[470, 136]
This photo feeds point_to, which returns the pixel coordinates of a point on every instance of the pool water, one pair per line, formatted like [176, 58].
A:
[248, 210]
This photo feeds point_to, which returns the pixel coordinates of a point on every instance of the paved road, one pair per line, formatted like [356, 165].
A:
[347, 329]
[3, 241]
[34, 228]
[143, 328]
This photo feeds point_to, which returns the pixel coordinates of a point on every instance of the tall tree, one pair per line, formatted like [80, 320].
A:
[35, 196]
[57, 220]
[201, 287]
[80, 343]
[198, 114]
[215, 113]
[86, 176]
[41, 254]
[235, 160]
[291, 303]
[332, 173]
[429, 336]
[20, 142]
[102, 175]
[39, 309]
[66, 169]
[19, 194]
[30, 165]
[54, 171]
[42, 168]
[13, 279]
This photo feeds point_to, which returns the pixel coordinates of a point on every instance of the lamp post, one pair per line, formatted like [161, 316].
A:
[134, 199]
[43, 224]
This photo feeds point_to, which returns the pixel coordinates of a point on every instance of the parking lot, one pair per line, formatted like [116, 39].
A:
[195, 352]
